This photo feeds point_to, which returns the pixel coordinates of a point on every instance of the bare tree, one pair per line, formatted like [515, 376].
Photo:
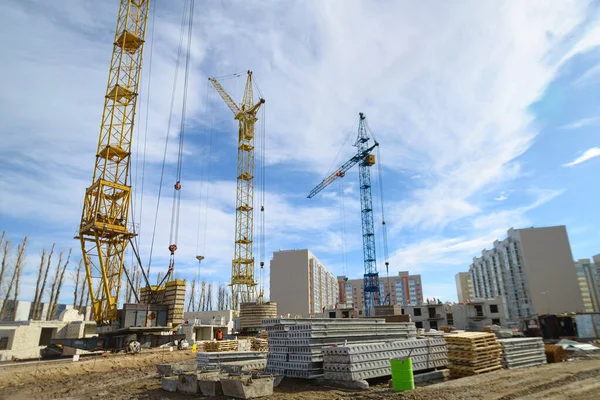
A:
[76, 277]
[4, 261]
[38, 281]
[209, 297]
[37, 307]
[202, 299]
[54, 305]
[221, 298]
[191, 304]
[84, 286]
[18, 269]
[15, 278]
[49, 315]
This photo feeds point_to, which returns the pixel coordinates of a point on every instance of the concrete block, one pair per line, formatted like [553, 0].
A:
[247, 387]
[349, 385]
[169, 383]
[210, 387]
[164, 370]
[188, 384]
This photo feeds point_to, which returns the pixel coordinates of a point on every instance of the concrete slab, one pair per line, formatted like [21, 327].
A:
[169, 383]
[210, 387]
[247, 387]
[348, 385]
[188, 384]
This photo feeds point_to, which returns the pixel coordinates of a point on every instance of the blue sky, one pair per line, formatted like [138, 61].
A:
[487, 114]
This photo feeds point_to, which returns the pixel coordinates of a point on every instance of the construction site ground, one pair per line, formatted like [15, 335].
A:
[134, 377]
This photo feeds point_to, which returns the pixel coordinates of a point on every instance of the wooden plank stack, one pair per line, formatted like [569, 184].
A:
[473, 353]
[252, 314]
[555, 353]
[259, 344]
[221, 345]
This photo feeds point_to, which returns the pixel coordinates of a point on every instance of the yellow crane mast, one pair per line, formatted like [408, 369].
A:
[104, 230]
[243, 285]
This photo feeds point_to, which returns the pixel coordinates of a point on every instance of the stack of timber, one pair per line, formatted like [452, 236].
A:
[221, 346]
[175, 299]
[555, 353]
[473, 353]
[522, 352]
[356, 362]
[259, 344]
[252, 314]
[296, 345]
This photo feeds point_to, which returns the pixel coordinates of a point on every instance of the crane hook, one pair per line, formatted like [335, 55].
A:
[178, 185]
[173, 248]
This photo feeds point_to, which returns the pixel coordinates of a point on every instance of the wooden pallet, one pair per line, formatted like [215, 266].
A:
[462, 372]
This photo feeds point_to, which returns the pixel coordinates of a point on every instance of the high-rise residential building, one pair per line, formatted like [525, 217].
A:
[587, 275]
[300, 284]
[403, 289]
[464, 286]
[532, 271]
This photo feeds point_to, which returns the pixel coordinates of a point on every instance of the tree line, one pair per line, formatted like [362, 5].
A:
[51, 274]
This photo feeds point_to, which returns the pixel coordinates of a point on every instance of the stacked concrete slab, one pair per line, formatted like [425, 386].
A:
[522, 352]
[224, 357]
[296, 345]
[356, 362]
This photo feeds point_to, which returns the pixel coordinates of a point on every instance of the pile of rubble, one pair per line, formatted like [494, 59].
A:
[473, 353]
[522, 352]
[356, 362]
[296, 345]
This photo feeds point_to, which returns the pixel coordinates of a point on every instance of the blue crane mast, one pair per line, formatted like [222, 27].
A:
[365, 160]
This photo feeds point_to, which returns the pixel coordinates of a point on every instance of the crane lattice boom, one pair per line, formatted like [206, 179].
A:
[365, 160]
[104, 230]
[242, 283]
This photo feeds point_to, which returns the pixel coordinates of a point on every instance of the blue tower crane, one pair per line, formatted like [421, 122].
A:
[365, 160]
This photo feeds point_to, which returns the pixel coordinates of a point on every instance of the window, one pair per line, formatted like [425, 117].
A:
[46, 335]
[493, 308]
[417, 312]
[450, 318]
[419, 324]
[433, 325]
[495, 321]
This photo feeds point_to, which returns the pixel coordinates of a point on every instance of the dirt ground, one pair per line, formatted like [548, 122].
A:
[134, 377]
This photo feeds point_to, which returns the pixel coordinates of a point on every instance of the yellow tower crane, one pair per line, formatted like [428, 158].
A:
[104, 230]
[243, 285]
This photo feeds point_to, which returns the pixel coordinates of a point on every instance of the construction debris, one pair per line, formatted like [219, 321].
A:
[473, 353]
[296, 345]
[356, 362]
[522, 352]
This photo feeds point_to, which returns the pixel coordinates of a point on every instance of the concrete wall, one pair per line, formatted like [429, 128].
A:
[289, 282]
[425, 320]
[551, 278]
[223, 319]
[468, 317]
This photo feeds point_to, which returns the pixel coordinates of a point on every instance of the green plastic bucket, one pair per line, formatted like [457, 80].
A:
[402, 374]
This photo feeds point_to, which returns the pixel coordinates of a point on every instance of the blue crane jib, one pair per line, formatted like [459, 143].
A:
[365, 160]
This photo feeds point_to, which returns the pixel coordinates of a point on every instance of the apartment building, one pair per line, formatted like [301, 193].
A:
[464, 286]
[587, 276]
[300, 284]
[403, 289]
[430, 315]
[531, 271]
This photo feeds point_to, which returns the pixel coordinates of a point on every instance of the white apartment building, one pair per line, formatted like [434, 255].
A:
[531, 271]
[300, 284]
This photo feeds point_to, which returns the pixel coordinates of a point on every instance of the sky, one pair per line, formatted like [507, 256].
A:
[487, 115]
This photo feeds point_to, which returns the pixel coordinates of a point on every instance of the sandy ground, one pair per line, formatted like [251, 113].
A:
[134, 377]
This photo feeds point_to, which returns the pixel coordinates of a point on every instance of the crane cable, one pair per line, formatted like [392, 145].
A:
[343, 227]
[262, 192]
[173, 93]
[174, 234]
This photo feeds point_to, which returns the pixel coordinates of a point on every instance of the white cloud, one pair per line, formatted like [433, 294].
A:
[581, 123]
[447, 105]
[589, 76]
[587, 155]
[501, 198]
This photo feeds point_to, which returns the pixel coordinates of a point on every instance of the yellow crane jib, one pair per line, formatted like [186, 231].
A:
[104, 231]
[243, 284]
